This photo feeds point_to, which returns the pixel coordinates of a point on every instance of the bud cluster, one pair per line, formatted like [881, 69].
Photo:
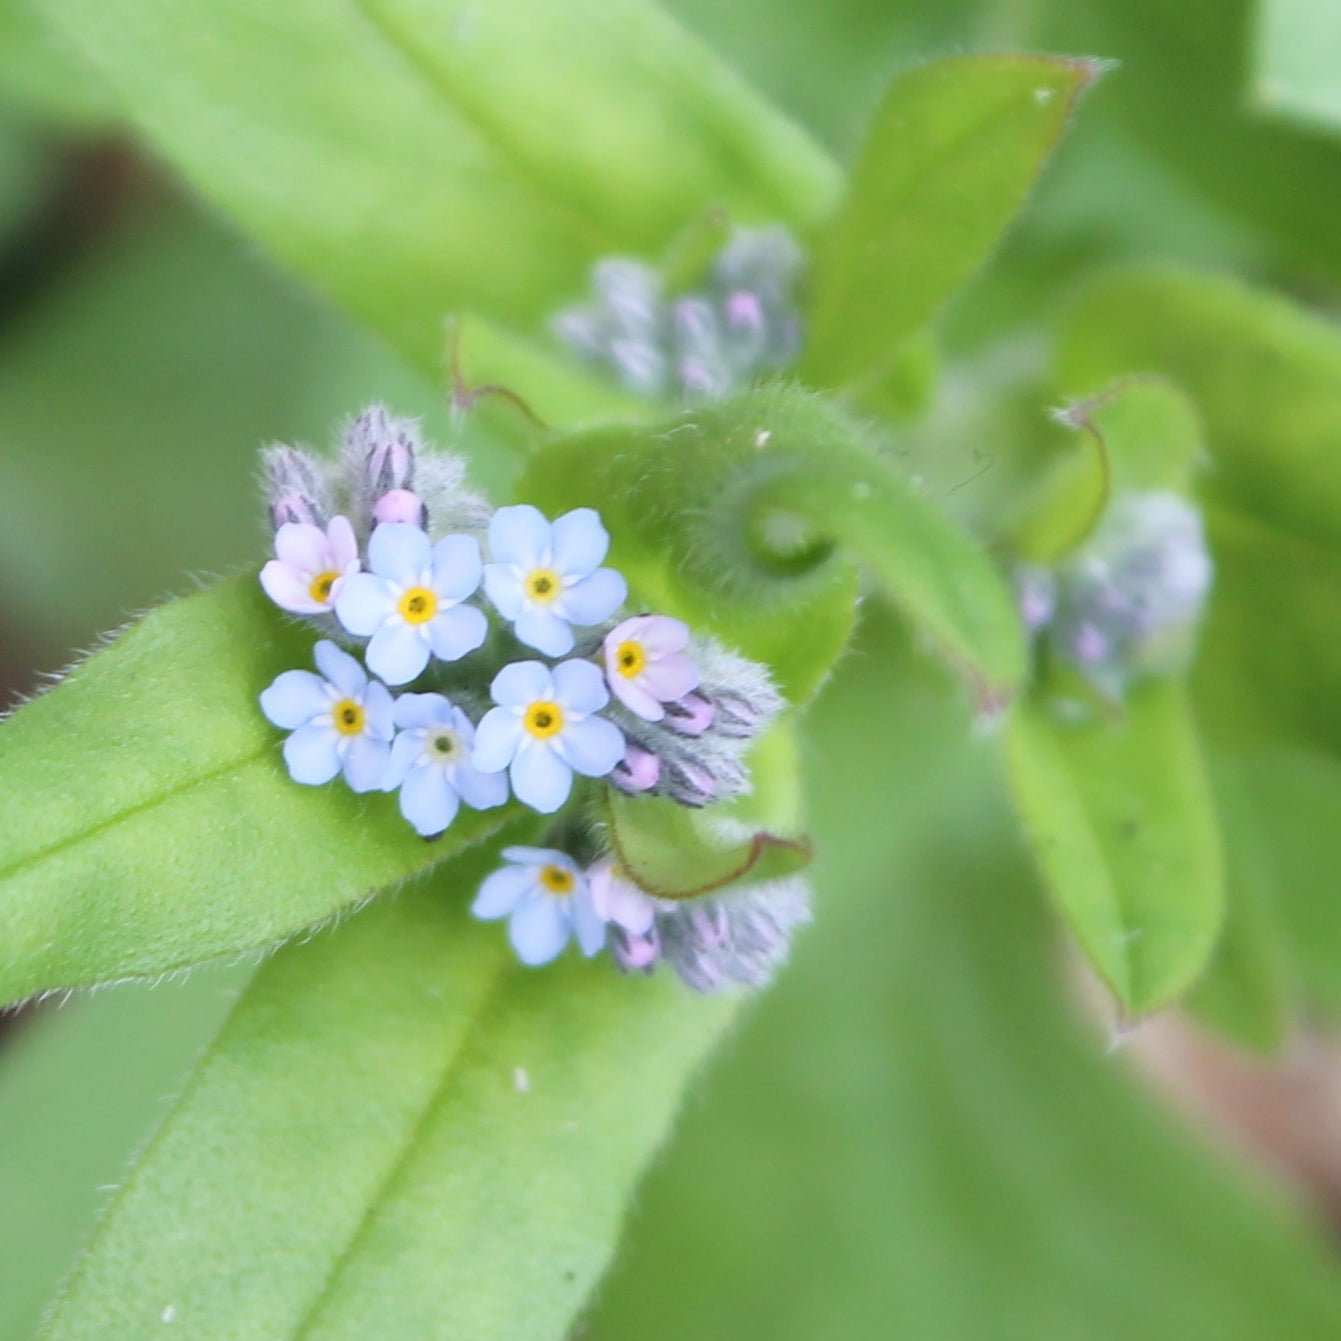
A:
[742, 322]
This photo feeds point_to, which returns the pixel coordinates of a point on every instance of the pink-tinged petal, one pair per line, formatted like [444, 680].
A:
[288, 589]
[539, 627]
[589, 928]
[592, 746]
[617, 899]
[519, 535]
[399, 505]
[594, 599]
[428, 801]
[303, 548]
[399, 553]
[340, 669]
[661, 635]
[636, 699]
[398, 653]
[580, 542]
[540, 779]
[344, 545]
[638, 771]
[501, 892]
[579, 687]
[295, 698]
[312, 756]
[521, 683]
[480, 791]
[363, 604]
[691, 715]
[539, 929]
[496, 740]
[456, 632]
[504, 589]
[669, 678]
[365, 764]
[457, 567]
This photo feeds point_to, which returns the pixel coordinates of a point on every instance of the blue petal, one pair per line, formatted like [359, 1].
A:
[592, 746]
[587, 924]
[541, 779]
[540, 856]
[519, 535]
[504, 589]
[312, 756]
[496, 740]
[480, 791]
[295, 698]
[340, 669]
[539, 627]
[580, 542]
[363, 604]
[428, 801]
[405, 752]
[500, 893]
[579, 687]
[539, 929]
[399, 552]
[595, 598]
[380, 709]
[457, 631]
[457, 567]
[397, 653]
[521, 683]
[365, 764]
[422, 710]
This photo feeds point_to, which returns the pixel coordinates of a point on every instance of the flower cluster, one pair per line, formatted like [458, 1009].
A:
[524, 674]
[1128, 603]
[701, 345]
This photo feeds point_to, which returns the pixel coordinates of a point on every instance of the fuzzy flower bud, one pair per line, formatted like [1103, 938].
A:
[296, 489]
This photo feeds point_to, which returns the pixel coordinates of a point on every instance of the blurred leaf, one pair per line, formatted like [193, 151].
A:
[1121, 820]
[730, 515]
[409, 1134]
[911, 1138]
[79, 1088]
[40, 72]
[1298, 55]
[416, 159]
[150, 822]
[953, 151]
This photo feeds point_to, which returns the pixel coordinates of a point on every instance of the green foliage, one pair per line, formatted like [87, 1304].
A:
[151, 822]
[951, 155]
[1298, 53]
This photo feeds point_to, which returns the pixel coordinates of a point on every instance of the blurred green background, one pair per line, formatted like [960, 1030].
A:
[921, 1132]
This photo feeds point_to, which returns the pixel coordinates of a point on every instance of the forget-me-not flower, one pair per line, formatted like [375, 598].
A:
[645, 664]
[341, 721]
[547, 576]
[411, 601]
[311, 565]
[430, 763]
[545, 729]
[547, 899]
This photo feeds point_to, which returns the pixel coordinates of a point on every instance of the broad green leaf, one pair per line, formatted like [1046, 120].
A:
[917, 1136]
[409, 1134]
[39, 71]
[1122, 822]
[743, 516]
[1298, 54]
[149, 819]
[414, 159]
[954, 149]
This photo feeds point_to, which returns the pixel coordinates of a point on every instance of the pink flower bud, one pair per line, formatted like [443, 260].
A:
[744, 312]
[400, 505]
[293, 508]
[638, 771]
[691, 715]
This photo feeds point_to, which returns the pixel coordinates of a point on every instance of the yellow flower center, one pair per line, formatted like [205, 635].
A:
[543, 585]
[320, 590]
[418, 605]
[543, 720]
[557, 879]
[630, 659]
[349, 717]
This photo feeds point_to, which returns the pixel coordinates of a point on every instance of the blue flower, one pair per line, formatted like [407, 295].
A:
[545, 729]
[410, 603]
[430, 763]
[548, 900]
[546, 576]
[340, 724]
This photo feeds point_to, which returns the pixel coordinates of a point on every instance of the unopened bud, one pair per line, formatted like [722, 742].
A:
[1035, 595]
[400, 505]
[638, 771]
[688, 783]
[744, 312]
[295, 488]
[691, 715]
[382, 449]
[635, 953]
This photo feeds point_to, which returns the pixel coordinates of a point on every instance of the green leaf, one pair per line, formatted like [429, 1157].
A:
[741, 516]
[1298, 54]
[955, 148]
[38, 71]
[150, 822]
[413, 159]
[1122, 822]
[409, 1134]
